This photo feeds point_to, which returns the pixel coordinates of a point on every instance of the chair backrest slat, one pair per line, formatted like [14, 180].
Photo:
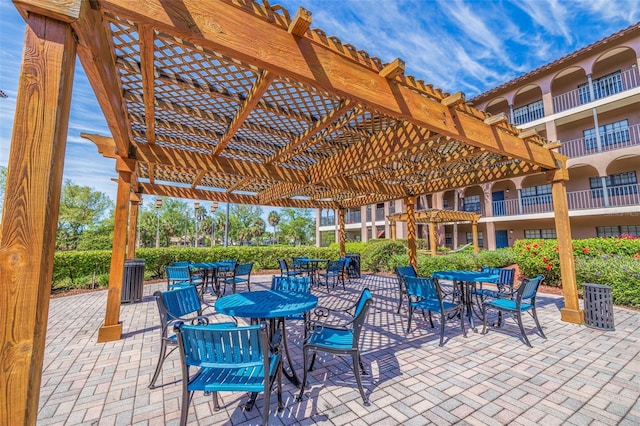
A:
[506, 275]
[406, 271]
[179, 302]
[175, 273]
[360, 314]
[529, 288]
[422, 287]
[292, 284]
[244, 269]
[181, 263]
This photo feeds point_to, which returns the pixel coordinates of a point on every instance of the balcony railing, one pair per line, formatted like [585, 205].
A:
[327, 221]
[610, 141]
[527, 113]
[353, 217]
[626, 80]
[616, 196]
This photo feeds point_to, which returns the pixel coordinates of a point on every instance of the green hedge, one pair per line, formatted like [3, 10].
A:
[84, 269]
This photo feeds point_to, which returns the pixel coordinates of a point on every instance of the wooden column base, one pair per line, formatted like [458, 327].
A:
[572, 315]
[109, 333]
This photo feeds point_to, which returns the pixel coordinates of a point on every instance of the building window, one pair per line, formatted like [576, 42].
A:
[369, 213]
[527, 113]
[480, 239]
[607, 85]
[610, 134]
[617, 185]
[327, 217]
[353, 216]
[540, 194]
[448, 239]
[615, 231]
[392, 207]
[471, 204]
[546, 234]
[379, 212]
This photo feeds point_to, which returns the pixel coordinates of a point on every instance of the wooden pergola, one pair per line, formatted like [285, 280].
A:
[433, 217]
[230, 101]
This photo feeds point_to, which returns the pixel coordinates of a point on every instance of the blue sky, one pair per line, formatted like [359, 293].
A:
[468, 46]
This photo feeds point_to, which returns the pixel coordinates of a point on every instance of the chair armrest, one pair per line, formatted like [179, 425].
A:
[328, 318]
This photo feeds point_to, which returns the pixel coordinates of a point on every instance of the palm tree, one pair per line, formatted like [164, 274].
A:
[274, 220]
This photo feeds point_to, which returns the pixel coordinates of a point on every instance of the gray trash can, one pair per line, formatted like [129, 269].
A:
[133, 280]
[353, 265]
[598, 306]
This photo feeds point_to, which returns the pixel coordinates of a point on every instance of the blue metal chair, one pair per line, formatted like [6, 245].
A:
[401, 272]
[524, 300]
[335, 271]
[504, 284]
[301, 265]
[293, 284]
[339, 339]
[426, 294]
[284, 269]
[180, 276]
[181, 263]
[175, 305]
[234, 359]
[241, 275]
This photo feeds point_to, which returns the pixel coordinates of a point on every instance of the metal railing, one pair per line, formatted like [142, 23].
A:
[602, 88]
[327, 221]
[610, 141]
[527, 113]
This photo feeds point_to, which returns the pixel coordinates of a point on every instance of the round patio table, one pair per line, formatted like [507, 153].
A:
[466, 281]
[273, 305]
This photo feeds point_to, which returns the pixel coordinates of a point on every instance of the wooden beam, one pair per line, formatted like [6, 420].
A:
[571, 311]
[453, 100]
[151, 172]
[242, 183]
[224, 197]
[248, 37]
[111, 329]
[368, 154]
[198, 178]
[279, 191]
[393, 69]
[300, 23]
[496, 119]
[410, 203]
[133, 227]
[342, 235]
[62, 10]
[30, 214]
[325, 122]
[260, 86]
[94, 52]
[147, 61]
[474, 236]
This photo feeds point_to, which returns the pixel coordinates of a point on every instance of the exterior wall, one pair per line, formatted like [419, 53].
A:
[568, 82]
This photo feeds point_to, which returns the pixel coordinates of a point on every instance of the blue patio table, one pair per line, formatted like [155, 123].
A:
[272, 305]
[313, 265]
[211, 270]
[465, 283]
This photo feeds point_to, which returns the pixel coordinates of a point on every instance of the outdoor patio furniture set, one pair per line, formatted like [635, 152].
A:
[469, 297]
[223, 356]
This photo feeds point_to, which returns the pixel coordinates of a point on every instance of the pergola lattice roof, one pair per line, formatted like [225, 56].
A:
[437, 216]
[236, 101]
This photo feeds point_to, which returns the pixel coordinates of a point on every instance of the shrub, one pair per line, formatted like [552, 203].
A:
[376, 257]
[621, 273]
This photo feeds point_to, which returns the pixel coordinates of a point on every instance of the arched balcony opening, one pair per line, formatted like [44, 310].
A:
[498, 106]
[565, 94]
[614, 72]
[527, 105]
[504, 198]
[473, 200]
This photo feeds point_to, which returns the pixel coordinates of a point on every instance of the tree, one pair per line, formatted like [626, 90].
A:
[297, 225]
[242, 222]
[80, 208]
[274, 220]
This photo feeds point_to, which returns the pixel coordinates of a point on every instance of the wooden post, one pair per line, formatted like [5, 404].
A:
[474, 234]
[392, 226]
[30, 215]
[571, 311]
[410, 202]
[112, 327]
[133, 225]
[433, 238]
[342, 236]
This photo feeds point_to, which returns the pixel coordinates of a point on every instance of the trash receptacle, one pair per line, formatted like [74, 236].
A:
[598, 306]
[133, 280]
[353, 265]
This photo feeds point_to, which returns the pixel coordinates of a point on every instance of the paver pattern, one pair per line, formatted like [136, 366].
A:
[577, 376]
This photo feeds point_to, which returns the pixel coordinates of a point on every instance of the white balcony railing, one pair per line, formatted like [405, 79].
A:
[616, 196]
[626, 80]
[610, 141]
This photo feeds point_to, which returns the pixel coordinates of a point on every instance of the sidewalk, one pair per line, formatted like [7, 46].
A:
[576, 376]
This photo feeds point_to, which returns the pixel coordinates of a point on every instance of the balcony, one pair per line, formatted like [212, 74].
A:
[617, 196]
[327, 221]
[602, 88]
[531, 112]
[610, 141]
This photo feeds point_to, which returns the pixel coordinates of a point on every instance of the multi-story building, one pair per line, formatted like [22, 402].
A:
[588, 101]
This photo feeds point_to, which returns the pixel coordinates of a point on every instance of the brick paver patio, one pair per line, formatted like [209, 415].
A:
[577, 376]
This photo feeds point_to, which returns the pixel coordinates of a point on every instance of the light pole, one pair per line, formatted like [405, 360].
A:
[197, 213]
[158, 207]
[226, 228]
[186, 221]
[214, 207]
